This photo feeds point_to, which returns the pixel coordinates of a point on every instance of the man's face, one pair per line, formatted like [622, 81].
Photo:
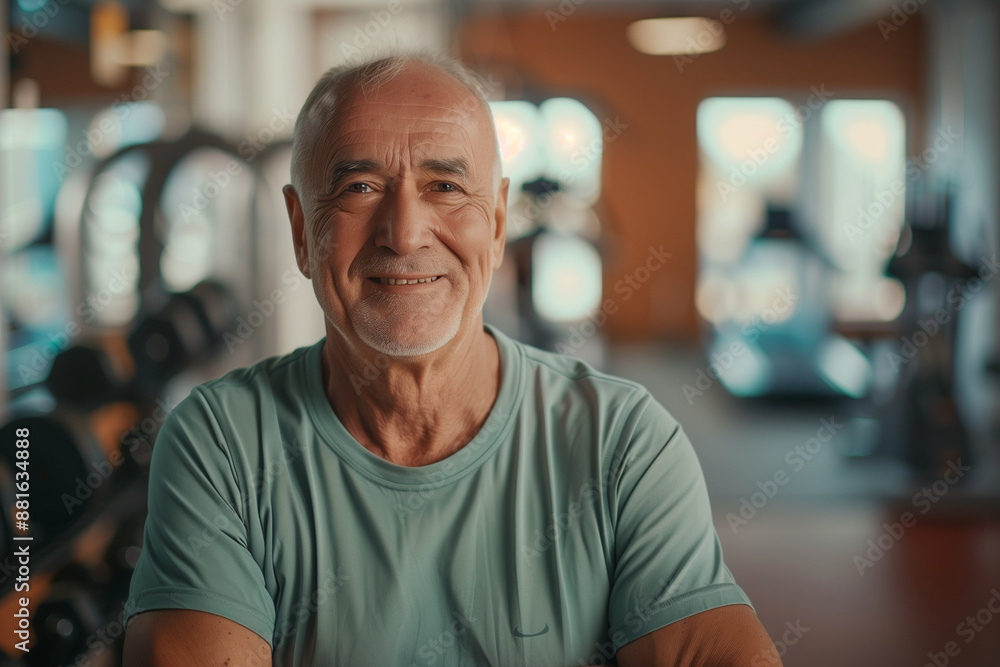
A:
[403, 188]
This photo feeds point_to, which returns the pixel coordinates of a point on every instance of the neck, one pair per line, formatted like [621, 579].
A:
[413, 411]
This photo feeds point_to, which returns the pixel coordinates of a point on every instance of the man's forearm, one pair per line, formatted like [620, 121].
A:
[729, 636]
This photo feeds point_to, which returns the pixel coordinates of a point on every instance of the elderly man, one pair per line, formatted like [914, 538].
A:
[477, 501]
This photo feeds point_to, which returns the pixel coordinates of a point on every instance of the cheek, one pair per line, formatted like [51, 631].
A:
[333, 245]
[471, 237]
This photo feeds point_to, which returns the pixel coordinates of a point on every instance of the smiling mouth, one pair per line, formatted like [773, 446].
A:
[403, 281]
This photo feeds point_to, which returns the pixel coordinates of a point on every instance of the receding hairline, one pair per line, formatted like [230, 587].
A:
[367, 77]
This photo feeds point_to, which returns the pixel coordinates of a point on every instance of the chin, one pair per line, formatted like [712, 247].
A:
[407, 339]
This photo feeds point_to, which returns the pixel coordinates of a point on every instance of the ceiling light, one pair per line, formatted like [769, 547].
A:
[676, 36]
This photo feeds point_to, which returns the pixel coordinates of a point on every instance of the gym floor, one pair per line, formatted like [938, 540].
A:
[801, 550]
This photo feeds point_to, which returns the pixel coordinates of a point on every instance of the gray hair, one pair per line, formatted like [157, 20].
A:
[366, 75]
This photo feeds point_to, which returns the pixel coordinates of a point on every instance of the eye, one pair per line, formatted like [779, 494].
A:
[445, 186]
[358, 188]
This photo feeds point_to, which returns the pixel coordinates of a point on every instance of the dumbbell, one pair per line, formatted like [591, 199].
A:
[86, 377]
[67, 618]
[184, 331]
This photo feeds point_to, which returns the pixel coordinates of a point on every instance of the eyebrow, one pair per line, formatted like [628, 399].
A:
[455, 166]
[345, 168]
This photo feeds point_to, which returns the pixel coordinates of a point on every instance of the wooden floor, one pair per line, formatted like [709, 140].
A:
[798, 566]
[796, 558]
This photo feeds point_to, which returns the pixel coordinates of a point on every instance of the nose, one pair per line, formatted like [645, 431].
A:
[403, 224]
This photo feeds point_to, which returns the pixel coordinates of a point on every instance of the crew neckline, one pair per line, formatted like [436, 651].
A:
[483, 445]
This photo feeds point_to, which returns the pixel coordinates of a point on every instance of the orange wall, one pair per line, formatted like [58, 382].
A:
[650, 169]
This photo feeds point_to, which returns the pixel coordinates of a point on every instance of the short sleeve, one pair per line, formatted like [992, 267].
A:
[195, 548]
[668, 560]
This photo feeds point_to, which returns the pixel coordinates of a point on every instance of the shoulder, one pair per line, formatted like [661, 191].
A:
[231, 408]
[265, 381]
[272, 374]
[560, 383]
[227, 428]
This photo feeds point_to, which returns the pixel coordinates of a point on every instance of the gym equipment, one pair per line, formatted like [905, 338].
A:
[85, 377]
[66, 618]
[922, 422]
[76, 487]
[184, 331]
[784, 344]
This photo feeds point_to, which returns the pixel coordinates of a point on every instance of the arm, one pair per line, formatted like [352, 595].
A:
[197, 568]
[673, 601]
[184, 638]
[729, 636]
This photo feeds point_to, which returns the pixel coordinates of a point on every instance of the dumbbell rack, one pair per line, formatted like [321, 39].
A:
[80, 574]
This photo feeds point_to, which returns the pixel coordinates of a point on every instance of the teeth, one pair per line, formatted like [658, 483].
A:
[394, 281]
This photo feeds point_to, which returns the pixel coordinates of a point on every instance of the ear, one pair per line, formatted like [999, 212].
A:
[500, 217]
[297, 218]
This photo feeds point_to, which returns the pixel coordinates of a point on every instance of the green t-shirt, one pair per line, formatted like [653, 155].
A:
[575, 521]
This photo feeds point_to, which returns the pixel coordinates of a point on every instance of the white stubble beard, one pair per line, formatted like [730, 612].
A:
[372, 330]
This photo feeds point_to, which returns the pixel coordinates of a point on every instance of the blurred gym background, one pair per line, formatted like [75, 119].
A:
[779, 215]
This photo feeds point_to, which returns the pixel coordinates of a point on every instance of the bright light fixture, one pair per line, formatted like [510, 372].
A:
[676, 36]
[566, 281]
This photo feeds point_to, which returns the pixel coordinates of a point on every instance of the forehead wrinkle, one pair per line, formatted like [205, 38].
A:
[358, 121]
[420, 148]
[402, 125]
[405, 113]
[357, 113]
[354, 136]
